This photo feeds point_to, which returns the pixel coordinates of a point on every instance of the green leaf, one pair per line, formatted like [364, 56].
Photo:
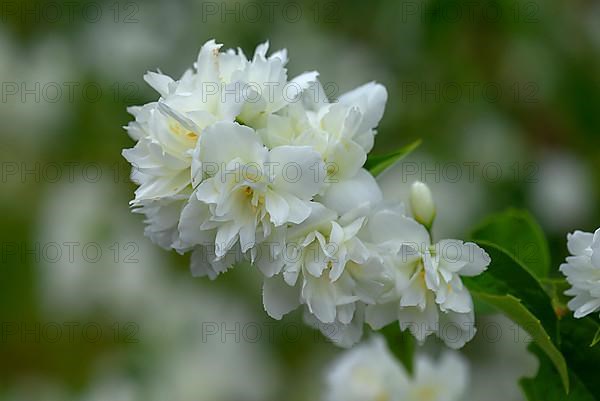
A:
[509, 287]
[582, 359]
[507, 276]
[545, 386]
[378, 164]
[514, 309]
[517, 232]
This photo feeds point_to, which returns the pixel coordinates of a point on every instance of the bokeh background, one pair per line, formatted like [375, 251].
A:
[505, 95]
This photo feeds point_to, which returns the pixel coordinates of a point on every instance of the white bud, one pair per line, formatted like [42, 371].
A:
[421, 204]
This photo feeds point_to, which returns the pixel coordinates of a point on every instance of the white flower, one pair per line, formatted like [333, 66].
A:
[583, 272]
[222, 87]
[249, 189]
[369, 372]
[426, 293]
[352, 193]
[161, 160]
[161, 219]
[342, 132]
[326, 266]
[442, 380]
[264, 87]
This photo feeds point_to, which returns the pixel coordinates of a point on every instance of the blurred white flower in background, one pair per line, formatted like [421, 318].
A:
[582, 270]
[498, 358]
[561, 194]
[91, 255]
[179, 325]
[445, 379]
[369, 372]
[36, 96]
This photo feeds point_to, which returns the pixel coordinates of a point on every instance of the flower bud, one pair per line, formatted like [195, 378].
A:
[421, 204]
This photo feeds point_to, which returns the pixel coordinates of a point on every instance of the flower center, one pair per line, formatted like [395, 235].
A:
[426, 394]
[181, 132]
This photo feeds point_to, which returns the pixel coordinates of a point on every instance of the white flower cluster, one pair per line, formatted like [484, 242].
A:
[370, 373]
[583, 272]
[237, 163]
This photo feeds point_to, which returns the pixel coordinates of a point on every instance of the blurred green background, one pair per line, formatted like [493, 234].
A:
[505, 95]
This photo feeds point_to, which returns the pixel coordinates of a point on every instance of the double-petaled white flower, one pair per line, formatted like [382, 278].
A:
[370, 373]
[425, 294]
[248, 189]
[582, 270]
[327, 267]
[222, 87]
[342, 132]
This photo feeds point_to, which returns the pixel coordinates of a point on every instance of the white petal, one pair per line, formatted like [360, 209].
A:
[458, 298]
[343, 335]
[371, 99]
[224, 141]
[277, 207]
[298, 170]
[345, 159]
[193, 215]
[207, 62]
[203, 263]
[278, 297]
[388, 225]
[415, 294]
[159, 82]
[320, 218]
[477, 262]
[319, 295]
[300, 84]
[456, 329]
[347, 195]
[227, 235]
[299, 209]
[345, 313]
[420, 323]
[578, 242]
[379, 316]
[587, 308]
